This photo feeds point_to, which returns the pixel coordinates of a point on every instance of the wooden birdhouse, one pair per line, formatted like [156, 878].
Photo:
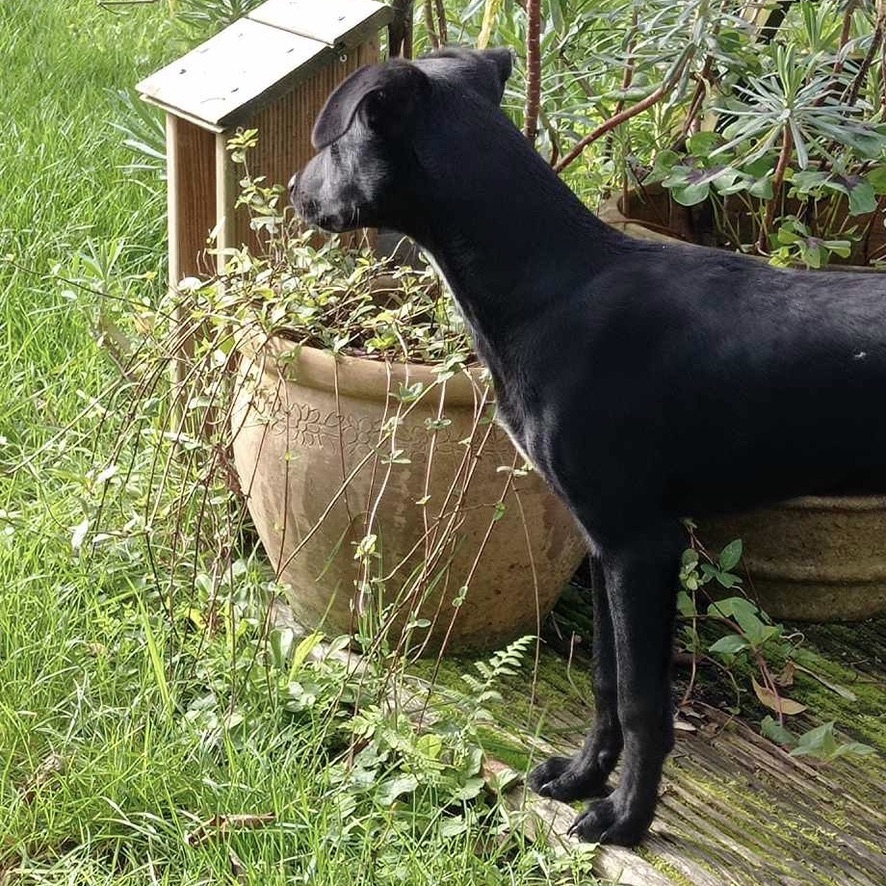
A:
[272, 71]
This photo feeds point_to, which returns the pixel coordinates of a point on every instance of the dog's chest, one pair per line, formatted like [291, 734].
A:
[514, 410]
[521, 418]
[518, 436]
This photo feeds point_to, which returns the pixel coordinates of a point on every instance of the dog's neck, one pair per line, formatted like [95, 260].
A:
[503, 191]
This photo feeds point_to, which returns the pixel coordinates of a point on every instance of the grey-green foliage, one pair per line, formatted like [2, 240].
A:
[728, 100]
[204, 17]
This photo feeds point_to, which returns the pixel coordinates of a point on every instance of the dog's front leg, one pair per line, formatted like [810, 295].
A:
[585, 775]
[641, 576]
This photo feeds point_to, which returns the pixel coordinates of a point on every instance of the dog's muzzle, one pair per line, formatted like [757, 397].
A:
[306, 208]
[293, 193]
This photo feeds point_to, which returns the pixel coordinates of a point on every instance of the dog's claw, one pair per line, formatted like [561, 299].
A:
[567, 779]
[604, 822]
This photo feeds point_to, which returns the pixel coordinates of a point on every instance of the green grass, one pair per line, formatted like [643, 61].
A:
[122, 730]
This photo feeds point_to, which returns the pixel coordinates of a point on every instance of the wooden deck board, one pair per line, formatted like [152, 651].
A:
[737, 809]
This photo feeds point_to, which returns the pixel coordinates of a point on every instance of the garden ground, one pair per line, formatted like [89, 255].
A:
[136, 750]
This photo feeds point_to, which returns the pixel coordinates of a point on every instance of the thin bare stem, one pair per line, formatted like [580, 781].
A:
[787, 145]
[442, 29]
[533, 69]
[400, 29]
[852, 93]
[617, 119]
[431, 27]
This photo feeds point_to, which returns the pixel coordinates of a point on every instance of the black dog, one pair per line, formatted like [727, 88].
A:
[645, 382]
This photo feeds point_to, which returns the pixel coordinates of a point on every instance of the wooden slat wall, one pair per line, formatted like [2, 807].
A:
[191, 198]
[203, 183]
[200, 197]
[284, 129]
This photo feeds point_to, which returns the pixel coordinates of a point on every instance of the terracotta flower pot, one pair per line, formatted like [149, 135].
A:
[816, 559]
[813, 558]
[321, 473]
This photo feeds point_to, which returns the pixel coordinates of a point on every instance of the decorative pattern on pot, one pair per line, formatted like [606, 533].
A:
[377, 511]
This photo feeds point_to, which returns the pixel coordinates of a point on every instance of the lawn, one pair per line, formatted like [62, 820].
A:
[134, 747]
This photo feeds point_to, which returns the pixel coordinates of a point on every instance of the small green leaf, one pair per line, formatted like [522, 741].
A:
[876, 178]
[393, 788]
[856, 748]
[730, 555]
[666, 160]
[762, 188]
[730, 606]
[469, 790]
[727, 579]
[818, 742]
[690, 557]
[774, 731]
[701, 143]
[451, 827]
[754, 630]
[690, 195]
[686, 605]
[812, 256]
[731, 644]
[862, 198]
[429, 745]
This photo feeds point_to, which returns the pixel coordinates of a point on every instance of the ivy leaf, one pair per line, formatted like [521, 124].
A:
[731, 607]
[756, 632]
[701, 143]
[855, 747]
[470, 790]
[429, 745]
[730, 555]
[862, 198]
[393, 788]
[762, 188]
[774, 731]
[822, 742]
[451, 827]
[731, 644]
[686, 605]
[689, 195]
[877, 179]
[818, 742]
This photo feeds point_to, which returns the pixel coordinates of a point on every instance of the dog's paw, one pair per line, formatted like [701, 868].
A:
[567, 779]
[606, 822]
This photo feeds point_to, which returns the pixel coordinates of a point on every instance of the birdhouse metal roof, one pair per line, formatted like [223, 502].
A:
[261, 57]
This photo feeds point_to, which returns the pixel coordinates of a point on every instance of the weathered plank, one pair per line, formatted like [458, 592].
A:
[735, 808]
[333, 22]
[233, 73]
[548, 821]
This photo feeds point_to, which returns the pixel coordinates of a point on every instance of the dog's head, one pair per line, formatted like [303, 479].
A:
[367, 170]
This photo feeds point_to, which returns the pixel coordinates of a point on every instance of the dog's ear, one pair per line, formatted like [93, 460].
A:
[389, 93]
[484, 70]
[503, 59]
